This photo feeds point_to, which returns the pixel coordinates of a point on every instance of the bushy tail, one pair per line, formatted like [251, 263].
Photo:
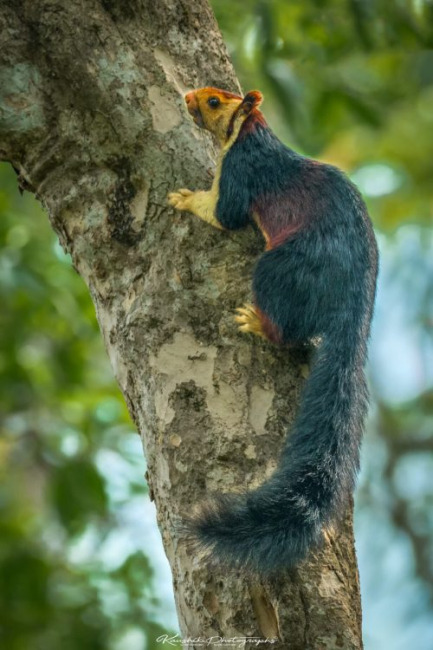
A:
[275, 525]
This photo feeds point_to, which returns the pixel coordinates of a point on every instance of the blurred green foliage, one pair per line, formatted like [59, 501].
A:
[61, 419]
[348, 81]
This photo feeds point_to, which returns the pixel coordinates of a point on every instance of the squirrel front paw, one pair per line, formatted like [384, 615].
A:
[180, 199]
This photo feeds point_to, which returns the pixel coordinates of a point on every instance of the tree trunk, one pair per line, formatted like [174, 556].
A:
[93, 120]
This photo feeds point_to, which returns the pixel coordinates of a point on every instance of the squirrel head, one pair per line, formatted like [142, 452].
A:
[220, 112]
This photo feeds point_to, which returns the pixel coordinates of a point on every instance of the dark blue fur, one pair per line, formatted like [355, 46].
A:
[318, 283]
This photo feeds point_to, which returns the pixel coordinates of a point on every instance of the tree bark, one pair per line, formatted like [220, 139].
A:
[92, 118]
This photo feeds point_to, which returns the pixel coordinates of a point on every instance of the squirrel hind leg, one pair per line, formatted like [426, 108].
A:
[248, 320]
[253, 320]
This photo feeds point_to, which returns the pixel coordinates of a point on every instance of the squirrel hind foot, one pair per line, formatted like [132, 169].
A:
[249, 321]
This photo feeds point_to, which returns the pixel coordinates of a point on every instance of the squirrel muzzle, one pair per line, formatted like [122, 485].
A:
[193, 108]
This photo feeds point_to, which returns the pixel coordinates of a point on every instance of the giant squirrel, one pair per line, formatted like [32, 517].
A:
[315, 280]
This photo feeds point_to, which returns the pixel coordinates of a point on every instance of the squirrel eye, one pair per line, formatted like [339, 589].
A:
[213, 102]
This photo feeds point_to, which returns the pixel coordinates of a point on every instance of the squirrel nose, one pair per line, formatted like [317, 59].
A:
[189, 96]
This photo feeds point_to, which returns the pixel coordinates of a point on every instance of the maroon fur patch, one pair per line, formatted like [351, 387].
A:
[283, 216]
[269, 329]
[210, 90]
[250, 124]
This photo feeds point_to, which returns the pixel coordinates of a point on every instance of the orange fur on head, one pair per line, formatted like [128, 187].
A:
[217, 110]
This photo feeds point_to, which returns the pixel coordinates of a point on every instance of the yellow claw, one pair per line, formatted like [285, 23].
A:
[244, 314]
[249, 321]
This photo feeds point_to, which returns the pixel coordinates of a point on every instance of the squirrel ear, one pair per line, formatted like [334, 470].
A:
[252, 99]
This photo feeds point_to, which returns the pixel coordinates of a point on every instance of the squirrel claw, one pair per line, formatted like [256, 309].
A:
[178, 200]
[249, 320]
